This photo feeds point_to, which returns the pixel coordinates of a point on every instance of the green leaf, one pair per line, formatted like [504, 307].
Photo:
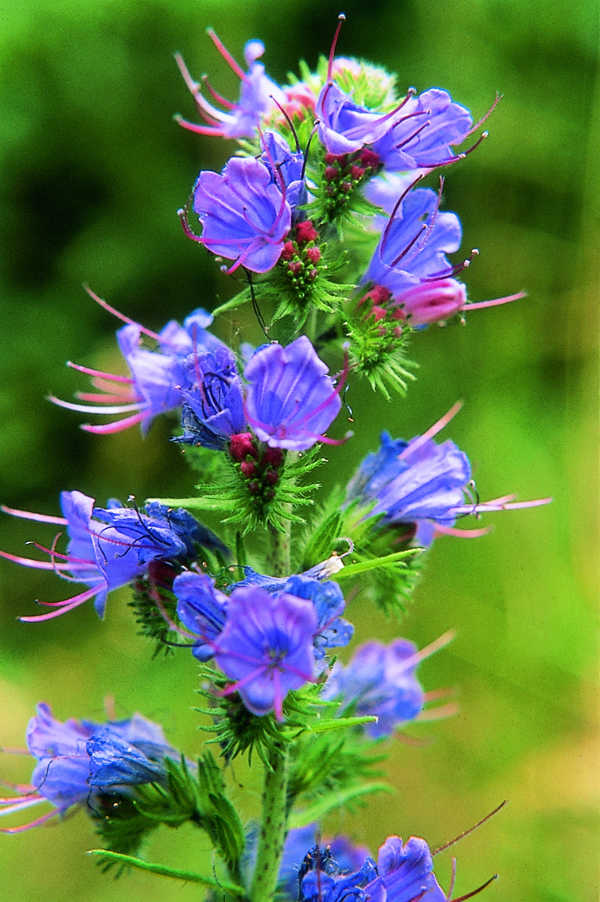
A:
[323, 806]
[374, 563]
[339, 723]
[164, 871]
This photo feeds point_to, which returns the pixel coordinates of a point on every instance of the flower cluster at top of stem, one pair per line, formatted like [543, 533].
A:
[326, 179]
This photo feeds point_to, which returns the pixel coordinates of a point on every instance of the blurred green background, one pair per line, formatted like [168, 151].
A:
[93, 170]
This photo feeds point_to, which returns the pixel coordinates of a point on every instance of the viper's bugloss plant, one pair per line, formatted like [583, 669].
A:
[346, 257]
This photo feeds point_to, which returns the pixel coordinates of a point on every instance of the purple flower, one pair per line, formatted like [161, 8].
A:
[423, 486]
[245, 216]
[266, 647]
[405, 873]
[286, 168]
[412, 278]
[380, 680]
[423, 136]
[110, 547]
[326, 596]
[202, 609]
[213, 409]
[257, 96]
[158, 376]
[345, 127]
[78, 758]
[291, 401]
[414, 244]
[323, 880]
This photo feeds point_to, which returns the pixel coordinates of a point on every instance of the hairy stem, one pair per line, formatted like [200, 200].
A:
[281, 550]
[273, 827]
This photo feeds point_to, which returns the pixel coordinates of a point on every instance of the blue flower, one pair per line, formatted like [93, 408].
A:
[213, 410]
[325, 881]
[414, 244]
[257, 95]
[266, 647]
[419, 484]
[245, 216]
[76, 759]
[158, 376]
[202, 609]
[380, 680]
[405, 873]
[291, 401]
[110, 547]
[332, 630]
[423, 136]
[286, 168]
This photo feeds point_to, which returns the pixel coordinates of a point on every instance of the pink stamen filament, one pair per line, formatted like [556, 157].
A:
[462, 533]
[29, 515]
[225, 53]
[218, 97]
[439, 713]
[199, 129]
[485, 116]
[386, 231]
[87, 408]
[68, 605]
[192, 85]
[105, 397]
[496, 302]
[411, 243]
[461, 155]
[428, 650]
[36, 823]
[467, 832]
[490, 507]
[452, 881]
[20, 805]
[118, 426]
[435, 694]
[239, 684]
[475, 892]
[32, 563]
[412, 136]
[90, 372]
[126, 319]
[418, 442]
[165, 616]
[341, 20]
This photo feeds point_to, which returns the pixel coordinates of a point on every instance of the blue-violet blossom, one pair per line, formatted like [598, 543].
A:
[110, 547]
[423, 486]
[258, 94]
[77, 759]
[266, 647]
[291, 401]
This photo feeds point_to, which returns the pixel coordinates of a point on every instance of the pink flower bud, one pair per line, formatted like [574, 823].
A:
[431, 302]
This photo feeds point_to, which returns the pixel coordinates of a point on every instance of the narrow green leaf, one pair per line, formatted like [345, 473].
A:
[339, 723]
[323, 806]
[374, 563]
[165, 871]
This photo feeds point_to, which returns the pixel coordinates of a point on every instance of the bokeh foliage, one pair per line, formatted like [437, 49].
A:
[93, 169]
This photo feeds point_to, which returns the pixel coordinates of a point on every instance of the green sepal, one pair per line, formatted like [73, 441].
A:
[148, 616]
[337, 799]
[240, 507]
[366, 565]
[119, 824]
[339, 723]
[109, 858]
[379, 354]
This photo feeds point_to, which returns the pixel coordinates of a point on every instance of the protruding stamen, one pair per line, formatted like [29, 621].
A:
[439, 713]
[29, 515]
[88, 408]
[461, 533]
[111, 377]
[452, 881]
[496, 302]
[386, 231]
[118, 426]
[470, 830]
[218, 97]
[68, 605]
[36, 823]
[475, 891]
[485, 115]
[119, 315]
[341, 20]
[225, 53]
[416, 443]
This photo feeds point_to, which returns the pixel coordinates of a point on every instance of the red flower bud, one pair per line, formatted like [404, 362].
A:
[288, 250]
[313, 254]
[248, 468]
[305, 231]
[242, 444]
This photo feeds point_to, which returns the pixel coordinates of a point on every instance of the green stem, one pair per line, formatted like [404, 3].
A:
[274, 824]
[281, 550]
